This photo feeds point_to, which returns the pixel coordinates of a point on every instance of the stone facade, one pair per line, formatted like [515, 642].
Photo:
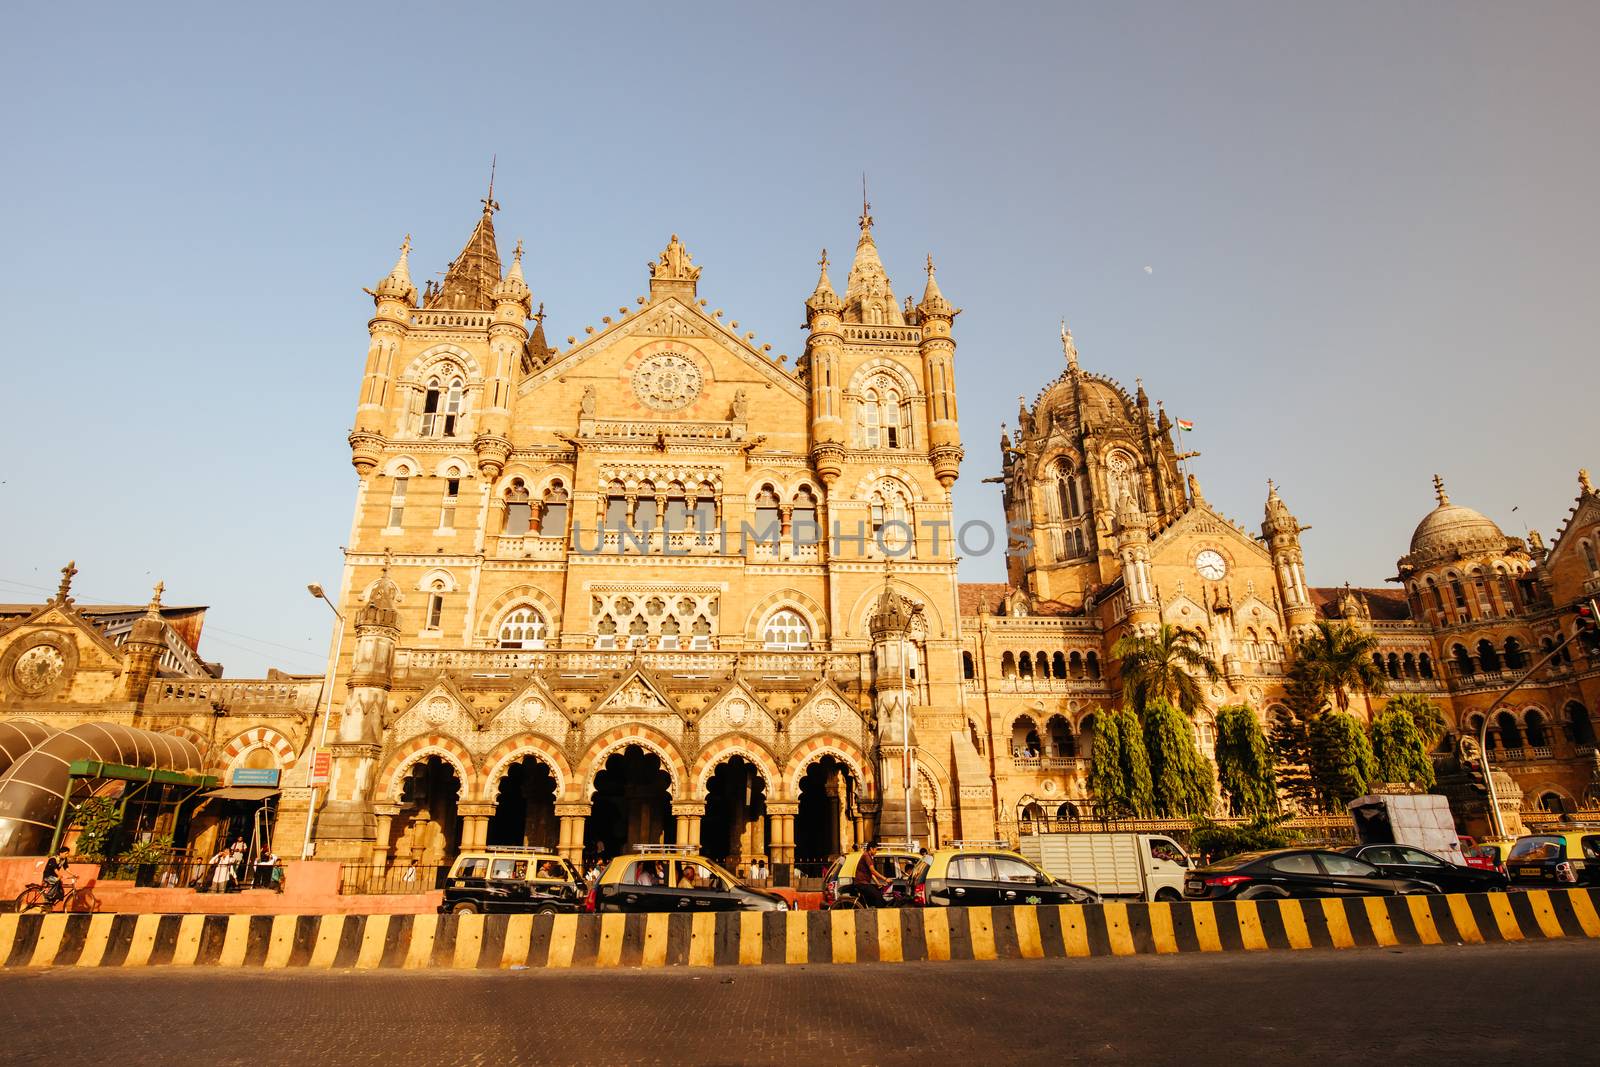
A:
[656, 584]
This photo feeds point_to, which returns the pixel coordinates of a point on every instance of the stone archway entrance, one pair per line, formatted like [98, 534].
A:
[823, 828]
[630, 805]
[426, 832]
[525, 807]
[733, 830]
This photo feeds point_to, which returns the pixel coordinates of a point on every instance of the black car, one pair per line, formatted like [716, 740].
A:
[968, 876]
[512, 880]
[663, 878]
[1295, 872]
[1404, 861]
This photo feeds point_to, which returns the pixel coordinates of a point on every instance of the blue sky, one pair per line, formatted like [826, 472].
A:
[1369, 231]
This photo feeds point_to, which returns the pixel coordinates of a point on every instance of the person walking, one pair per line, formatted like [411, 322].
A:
[266, 865]
[221, 870]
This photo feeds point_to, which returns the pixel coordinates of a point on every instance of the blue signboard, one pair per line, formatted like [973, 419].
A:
[255, 776]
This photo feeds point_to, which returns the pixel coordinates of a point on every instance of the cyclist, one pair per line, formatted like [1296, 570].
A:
[870, 883]
[55, 873]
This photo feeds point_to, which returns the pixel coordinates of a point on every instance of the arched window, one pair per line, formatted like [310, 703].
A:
[1008, 665]
[968, 667]
[1425, 664]
[892, 437]
[705, 509]
[676, 517]
[1554, 803]
[1488, 656]
[1579, 726]
[1062, 743]
[1394, 665]
[1092, 662]
[1075, 665]
[452, 407]
[1025, 738]
[1458, 596]
[523, 628]
[1463, 661]
[518, 510]
[871, 417]
[1438, 597]
[644, 507]
[553, 515]
[889, 512]
[1516, 660]
[786, 631]
[769, 521]
[1410, 665]
[1058, 665]
[803, 526]
[435, 616]
[638, 633]
[1533, 723]
[452, 495]
[616, 505]
[1510, 733]
[431, 402]
[397, 501]
[1025, 665]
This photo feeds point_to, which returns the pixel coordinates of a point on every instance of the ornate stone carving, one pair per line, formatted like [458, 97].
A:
[667, 381]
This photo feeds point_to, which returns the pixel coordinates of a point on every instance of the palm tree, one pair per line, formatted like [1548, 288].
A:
[1336, 658]
[1163, 666]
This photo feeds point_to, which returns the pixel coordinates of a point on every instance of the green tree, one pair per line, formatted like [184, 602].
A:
[1330, 661]
[99, 824]
[1246, 769]
[1399, 752]
[1214, 841]
[1164, 666]
[1291, 752]
[1431, 723]
[1182, 781]
[1119, 768]
[1341, 758]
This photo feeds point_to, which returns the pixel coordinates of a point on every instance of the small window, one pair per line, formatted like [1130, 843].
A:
[1300, 863]
[397, 502]
[972, 868]
[447, 514]
[519, 515]
[435, 611]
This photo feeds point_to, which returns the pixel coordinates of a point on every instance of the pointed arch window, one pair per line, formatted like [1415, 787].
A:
[431, 398]
[786, 631]
[397, 501]
[435, 616]
[518, 509]
[768, 522]
[871, 416]
[452, 407]
[523, 628]
[803, 517]
[891, 420]
[553, 515]
[452, 494]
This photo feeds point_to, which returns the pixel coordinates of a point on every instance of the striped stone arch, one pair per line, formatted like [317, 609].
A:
[818, 745]
[521, 746]
[391, 780]
[259, 737]
[191, 735]
[647, 738]
[727, 747]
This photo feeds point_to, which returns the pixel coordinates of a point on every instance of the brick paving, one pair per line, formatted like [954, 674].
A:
[1497, 1003]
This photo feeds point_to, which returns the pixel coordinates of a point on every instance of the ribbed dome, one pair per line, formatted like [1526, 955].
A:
[1452, 530]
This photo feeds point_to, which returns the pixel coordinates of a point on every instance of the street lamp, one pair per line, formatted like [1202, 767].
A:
[327, 711]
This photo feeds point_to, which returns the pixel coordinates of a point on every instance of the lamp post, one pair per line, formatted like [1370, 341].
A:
[327, 711]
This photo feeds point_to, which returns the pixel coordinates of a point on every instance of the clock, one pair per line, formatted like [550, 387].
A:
[1211, 565]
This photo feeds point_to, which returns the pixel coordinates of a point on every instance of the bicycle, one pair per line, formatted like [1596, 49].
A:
[35, 897]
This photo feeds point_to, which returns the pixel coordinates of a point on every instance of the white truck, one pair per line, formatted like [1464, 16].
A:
[1139, 866]
[1421, 820]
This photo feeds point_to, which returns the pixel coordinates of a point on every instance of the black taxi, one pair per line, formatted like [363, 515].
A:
[989, 873]
[674, 878]
[1555, 860]
[512, 880]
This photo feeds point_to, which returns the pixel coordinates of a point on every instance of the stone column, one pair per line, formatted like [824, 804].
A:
[383, 815]
[474, 824]
[689, 814]
[783, 813]
[572, 814]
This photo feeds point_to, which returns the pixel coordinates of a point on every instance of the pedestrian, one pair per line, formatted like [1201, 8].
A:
[266, 868]
[221, 870]
[236, 864]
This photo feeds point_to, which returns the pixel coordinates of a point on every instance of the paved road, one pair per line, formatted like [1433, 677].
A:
[1482, 1004]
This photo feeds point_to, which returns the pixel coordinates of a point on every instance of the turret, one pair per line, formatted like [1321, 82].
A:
[508, 341]
[1281, 530]
[938, 363]
[894, 663]
[1133, 550]
[395, 298]
[823, 352]
[147, 640]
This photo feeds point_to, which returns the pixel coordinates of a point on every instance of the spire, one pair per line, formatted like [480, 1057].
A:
[397, 286]
[470, 280]
[1069, 349]
[153, 609]
[1438, 491]
[868, 296]
[934, 305]
[1279, 519]
[1142, 398]
[513, 288]
[823, 298]
[64, 590]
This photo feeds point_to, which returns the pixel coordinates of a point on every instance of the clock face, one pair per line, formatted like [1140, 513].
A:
[1211, 565]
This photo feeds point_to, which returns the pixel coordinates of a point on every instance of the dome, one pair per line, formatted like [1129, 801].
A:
[1451, 530]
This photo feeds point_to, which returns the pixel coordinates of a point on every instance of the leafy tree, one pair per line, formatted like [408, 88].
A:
[1245, 765]
[1341, 758]
[99, 826]
[1119, 768]
[1291, 752]
[1214, 841]
[1330, 661]
[1163, 666]
[1431, 723]
[1183, 781]
[1399, 752]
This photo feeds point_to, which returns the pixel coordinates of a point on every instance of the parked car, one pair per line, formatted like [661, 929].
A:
[1295, 872]
[1555, 861]
[512, 880]
[1403, 861]
[894, 861]
[988, 872]
[670, 878]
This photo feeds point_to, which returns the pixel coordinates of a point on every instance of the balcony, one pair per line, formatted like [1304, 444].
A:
[242, 694]
[1034, 764]
[530, 546]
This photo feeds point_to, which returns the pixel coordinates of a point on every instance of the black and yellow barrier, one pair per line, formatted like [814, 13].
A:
[367, 942]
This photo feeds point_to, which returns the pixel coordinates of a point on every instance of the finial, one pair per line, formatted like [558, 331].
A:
[1438, 491]
[153, 610]
[405, 247]
[866, 207]
[1067, 346]
[823, 262]
[1583, 480]
[930, 264]
[64, 591]
[1271, 488]
[517, 255]
[539, 315]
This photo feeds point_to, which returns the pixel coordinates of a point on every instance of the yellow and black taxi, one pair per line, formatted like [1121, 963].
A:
[1555, 860]
[894, 862]
[512, 880]
[674, 878]
[989, 873]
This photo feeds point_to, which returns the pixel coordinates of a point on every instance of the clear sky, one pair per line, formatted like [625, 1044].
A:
[1354, 243]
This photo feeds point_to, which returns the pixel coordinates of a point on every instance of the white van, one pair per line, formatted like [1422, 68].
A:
[1136, 866]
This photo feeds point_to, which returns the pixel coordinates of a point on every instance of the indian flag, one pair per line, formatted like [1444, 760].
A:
[1185, 424]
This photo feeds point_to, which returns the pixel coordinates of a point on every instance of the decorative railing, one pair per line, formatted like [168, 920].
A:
[530, 546]
[451, 320]
[893, 334]
[626, 430]
[504, 660]
[295, 696]
[1050, 685]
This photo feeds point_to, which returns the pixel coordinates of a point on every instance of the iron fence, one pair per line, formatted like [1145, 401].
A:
[354, 879]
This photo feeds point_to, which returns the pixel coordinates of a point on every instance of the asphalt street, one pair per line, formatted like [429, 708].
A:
[1478, 1004]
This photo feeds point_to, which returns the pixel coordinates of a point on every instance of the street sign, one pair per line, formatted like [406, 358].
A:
[255, 776]
[321, 767]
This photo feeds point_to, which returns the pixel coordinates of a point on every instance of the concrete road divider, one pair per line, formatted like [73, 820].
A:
[365, 942]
